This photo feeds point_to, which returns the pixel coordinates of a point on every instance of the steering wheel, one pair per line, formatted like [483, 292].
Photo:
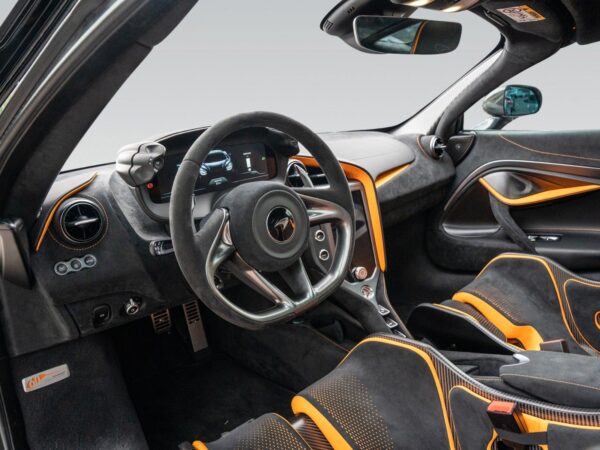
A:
[261, 227]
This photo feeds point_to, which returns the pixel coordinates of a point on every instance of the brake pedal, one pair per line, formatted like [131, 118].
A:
[195, 326]
[161, 321]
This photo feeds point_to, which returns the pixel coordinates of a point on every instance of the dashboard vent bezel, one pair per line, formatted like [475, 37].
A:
[92, 218]
[316, 175]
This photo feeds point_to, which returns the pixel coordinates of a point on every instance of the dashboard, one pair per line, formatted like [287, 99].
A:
[101, 247]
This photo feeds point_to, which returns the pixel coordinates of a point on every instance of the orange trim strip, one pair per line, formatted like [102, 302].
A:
[199, 445]
[66, 196]
[390, 175]
[552, 194]
[431, 367]
[597, 319]
[302, 406]
[525, 334]
[358, 174]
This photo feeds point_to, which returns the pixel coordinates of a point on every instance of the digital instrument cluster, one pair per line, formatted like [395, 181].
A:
[223, 168]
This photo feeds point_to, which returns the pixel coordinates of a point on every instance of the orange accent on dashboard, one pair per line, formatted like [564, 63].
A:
[60, 201]
[358, 174]
[540, 197]
[390, 175]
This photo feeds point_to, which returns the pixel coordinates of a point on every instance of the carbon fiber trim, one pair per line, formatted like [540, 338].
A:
[480, 318]
[310, 432]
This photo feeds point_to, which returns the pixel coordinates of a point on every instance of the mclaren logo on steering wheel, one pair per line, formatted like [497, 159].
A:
[281, 224]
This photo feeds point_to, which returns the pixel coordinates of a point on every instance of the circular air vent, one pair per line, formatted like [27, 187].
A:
[81, 221]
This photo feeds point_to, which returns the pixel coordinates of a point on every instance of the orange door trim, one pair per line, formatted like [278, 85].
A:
[546, 196]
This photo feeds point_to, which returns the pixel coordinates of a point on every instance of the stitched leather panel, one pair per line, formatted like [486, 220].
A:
[339, 396]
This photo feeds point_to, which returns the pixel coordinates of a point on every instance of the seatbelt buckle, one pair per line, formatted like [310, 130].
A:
[557, 345]
[506, 421]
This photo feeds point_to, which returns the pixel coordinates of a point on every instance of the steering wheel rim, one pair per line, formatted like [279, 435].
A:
[201, 252]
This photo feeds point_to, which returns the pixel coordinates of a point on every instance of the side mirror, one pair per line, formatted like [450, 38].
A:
[398, 35]
[509, 103]
[513, 101]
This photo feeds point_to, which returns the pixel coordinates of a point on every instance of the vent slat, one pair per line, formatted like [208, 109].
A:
[81, 221]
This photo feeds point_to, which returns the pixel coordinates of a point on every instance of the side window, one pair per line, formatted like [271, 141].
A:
[568, 82]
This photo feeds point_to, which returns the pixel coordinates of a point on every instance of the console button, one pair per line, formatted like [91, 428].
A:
[133, 306]
[360, 273]
[89, 260]
[100, 315]
[61, 268]
[76, 264]
[383, 310]
[367, 292]
[324, 255]
[319, 236]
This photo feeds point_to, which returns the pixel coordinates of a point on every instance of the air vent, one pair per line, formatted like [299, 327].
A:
[81, 222]
[327, 25]
[299, 175]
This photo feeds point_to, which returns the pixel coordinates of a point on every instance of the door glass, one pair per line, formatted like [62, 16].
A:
[568, 83]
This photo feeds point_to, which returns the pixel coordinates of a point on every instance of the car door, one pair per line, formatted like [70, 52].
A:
[546, 183]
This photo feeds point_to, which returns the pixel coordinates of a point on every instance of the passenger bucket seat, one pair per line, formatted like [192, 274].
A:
[520, 300]
[391, 392]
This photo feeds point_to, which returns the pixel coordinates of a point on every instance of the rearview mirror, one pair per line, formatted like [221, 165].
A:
[513, 101]
[387, 34]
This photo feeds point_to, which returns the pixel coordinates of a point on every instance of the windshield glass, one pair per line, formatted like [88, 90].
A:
[6, 7]
[231, 57]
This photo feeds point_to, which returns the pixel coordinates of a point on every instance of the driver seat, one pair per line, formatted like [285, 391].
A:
[391, 392]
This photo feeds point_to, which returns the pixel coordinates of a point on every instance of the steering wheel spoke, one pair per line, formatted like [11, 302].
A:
[322, 211]
[298, 281]
[256, 281]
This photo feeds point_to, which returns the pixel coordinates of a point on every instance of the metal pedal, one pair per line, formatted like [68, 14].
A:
[161, 321]
[195, 326]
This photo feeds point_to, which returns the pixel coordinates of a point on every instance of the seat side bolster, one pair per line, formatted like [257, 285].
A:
[526, 334]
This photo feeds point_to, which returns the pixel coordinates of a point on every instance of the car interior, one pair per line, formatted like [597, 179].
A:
[254, 284]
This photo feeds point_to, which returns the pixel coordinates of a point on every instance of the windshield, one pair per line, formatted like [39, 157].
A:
[231, 57]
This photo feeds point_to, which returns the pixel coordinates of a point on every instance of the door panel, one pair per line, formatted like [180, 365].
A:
[552, 191]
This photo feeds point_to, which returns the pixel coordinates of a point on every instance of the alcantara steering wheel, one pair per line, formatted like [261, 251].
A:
[260, 227]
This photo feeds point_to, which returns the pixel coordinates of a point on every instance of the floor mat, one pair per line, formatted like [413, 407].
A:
[188, 399]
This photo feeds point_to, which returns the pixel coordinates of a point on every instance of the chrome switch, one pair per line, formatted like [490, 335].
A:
[359, 273]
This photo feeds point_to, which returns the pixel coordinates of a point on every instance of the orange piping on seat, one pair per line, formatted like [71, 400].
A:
[390, 175]
[431, 367]
[358, 174]
[525, 334]
[302, 406]
[199, 445]
[66, 196]
[552, 194]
